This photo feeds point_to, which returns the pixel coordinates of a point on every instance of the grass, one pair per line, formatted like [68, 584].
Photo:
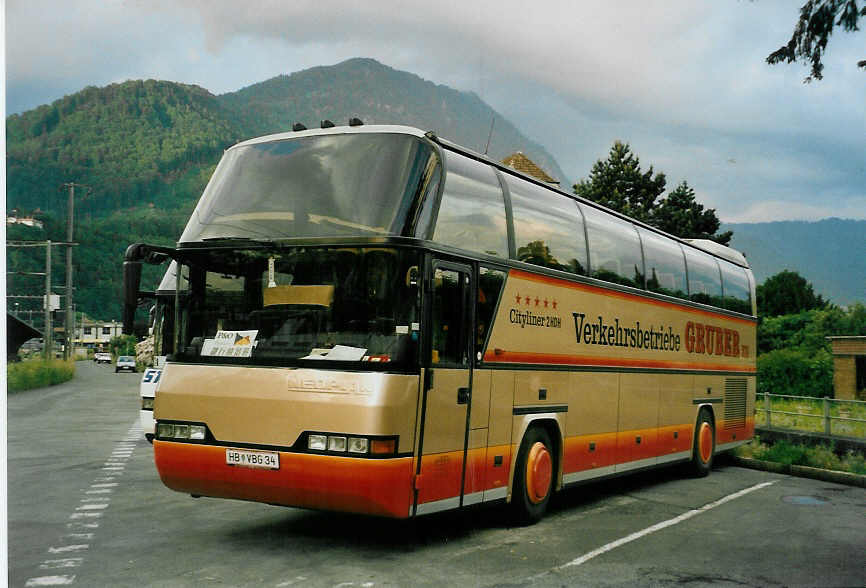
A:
[26, 375]
[815, 422]
[819, 456]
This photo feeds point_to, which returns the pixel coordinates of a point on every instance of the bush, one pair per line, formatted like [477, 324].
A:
[819, 456]
[26, 375]
[796, 373]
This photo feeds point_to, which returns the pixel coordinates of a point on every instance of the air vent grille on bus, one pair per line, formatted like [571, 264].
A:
[735, 403]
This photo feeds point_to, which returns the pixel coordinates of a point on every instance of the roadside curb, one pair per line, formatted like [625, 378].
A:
[846, 478]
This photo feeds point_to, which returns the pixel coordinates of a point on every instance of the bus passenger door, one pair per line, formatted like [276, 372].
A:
[447, 386]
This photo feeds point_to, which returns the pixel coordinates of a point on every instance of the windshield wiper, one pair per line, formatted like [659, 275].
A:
[245, 239]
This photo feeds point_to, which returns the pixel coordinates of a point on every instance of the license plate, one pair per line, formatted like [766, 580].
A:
[269, 460]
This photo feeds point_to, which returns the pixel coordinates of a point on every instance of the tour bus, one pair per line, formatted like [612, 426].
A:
[162, 331]
[375, 320]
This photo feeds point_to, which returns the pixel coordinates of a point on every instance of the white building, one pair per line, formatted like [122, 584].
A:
[96, 334]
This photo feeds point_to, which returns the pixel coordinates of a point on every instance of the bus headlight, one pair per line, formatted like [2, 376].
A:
[358, 445]
[317, 442]
[336, 443]
[181, 432]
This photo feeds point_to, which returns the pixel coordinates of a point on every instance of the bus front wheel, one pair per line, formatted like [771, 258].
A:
[704, 445]
[533, 478]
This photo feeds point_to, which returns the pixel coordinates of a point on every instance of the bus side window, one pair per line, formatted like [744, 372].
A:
[665, 265]
[735, 282]
[614, 249]
[705, 282]
[449, 318]
[472, 212]
[548, 227]
[490, 283]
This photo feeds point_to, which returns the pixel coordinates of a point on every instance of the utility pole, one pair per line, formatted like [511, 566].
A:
[48, 335]
[48, 304]
[69, 322]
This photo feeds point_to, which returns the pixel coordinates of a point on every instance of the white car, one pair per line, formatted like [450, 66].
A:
[125, 363]
[147, 388]
[102, 357]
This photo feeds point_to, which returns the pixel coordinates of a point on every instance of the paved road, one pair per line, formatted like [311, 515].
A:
[87, 508]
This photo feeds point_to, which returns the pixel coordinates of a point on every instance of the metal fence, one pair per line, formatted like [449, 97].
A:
[828, 415]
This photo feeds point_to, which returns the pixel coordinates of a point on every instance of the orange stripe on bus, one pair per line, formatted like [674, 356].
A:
[587, 452]
[370, 486]
[551, 281]
[501, 356]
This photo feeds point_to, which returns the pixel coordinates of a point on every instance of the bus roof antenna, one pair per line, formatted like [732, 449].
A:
[299, 127]
[326, 124]
[490, 135]
[355, 122]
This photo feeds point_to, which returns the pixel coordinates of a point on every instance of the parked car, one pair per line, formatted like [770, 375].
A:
[125, 363]
[100, 357]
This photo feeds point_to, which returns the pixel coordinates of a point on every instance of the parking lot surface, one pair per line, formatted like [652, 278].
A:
[86, 508]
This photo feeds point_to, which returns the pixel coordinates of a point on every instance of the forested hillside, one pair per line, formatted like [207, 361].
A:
[831, 254]
[147, 148]
[135, 144]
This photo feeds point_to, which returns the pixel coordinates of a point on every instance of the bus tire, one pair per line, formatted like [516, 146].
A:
[704, 445]
[533, 477]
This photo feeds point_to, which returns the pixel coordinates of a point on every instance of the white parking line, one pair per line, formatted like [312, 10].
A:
[89, 508]
[663, 525]
[68, 548]
[68, 562]
[50, 581]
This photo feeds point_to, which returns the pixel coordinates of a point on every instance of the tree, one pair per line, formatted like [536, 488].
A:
[817, 20]
[679, 214]
[786, 293]
[619, 184]
[122, 345]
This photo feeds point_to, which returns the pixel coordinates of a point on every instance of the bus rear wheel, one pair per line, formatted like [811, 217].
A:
[533, 478]
[704, 445]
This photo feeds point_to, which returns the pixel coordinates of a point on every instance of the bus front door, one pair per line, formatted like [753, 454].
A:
[447, 388]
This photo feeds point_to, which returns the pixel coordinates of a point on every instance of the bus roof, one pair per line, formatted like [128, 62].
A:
[711, 247]
[360, 129]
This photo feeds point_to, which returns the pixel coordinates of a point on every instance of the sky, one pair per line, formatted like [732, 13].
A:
[683, 82]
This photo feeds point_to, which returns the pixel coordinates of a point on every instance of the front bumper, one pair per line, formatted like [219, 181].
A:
[380, 487]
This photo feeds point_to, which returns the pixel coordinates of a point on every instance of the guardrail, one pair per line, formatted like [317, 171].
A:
[845, 418]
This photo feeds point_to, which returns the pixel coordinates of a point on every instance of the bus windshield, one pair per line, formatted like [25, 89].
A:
[321, 186]
[298, 305]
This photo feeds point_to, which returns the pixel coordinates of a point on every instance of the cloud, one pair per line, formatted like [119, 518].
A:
[685, 83]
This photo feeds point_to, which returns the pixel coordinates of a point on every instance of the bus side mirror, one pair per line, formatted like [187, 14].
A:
[131, 282]
[412, 276]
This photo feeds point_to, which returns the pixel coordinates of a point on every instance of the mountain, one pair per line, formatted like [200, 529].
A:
[378, 94]
[146, 149]
[831, 254]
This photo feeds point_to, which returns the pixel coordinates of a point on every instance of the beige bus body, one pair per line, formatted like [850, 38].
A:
[468, 335]
[609, 409]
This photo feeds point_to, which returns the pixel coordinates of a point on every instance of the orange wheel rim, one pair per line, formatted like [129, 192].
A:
[539, 473]
[705, 442]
